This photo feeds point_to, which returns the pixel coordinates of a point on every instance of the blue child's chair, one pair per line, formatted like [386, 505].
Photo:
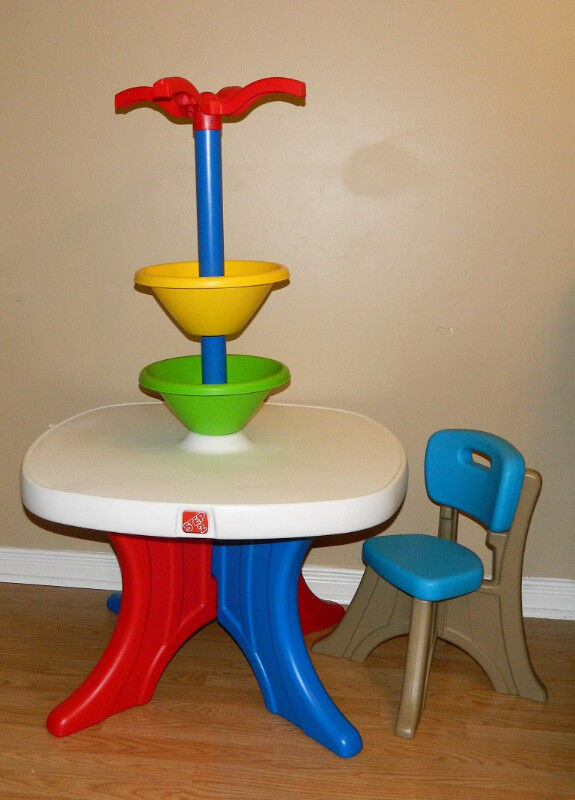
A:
[470, 471]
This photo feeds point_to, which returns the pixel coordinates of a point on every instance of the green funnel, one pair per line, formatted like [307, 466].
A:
[214, 409]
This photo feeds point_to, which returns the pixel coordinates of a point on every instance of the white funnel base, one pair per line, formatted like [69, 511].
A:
[215, 445]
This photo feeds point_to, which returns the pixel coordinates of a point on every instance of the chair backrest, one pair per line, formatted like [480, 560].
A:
[475, 472]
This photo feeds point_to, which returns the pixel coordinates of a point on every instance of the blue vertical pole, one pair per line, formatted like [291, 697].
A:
[208, 147]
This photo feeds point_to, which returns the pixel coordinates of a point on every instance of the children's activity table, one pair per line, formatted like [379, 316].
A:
[213, 527]
[212, 498]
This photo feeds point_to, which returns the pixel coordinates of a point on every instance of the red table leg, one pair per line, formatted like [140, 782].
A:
[169, 594]
[316, 614]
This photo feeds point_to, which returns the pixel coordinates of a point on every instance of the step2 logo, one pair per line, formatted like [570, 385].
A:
[195, 522]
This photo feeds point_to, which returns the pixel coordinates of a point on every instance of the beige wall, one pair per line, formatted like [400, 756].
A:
[423, 201]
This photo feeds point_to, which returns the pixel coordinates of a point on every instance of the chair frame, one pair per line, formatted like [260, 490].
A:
[487, 624]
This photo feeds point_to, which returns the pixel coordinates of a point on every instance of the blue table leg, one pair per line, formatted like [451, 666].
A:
[257, 605]
[114, 602]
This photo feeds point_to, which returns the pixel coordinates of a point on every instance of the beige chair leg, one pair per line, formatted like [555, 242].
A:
[420, 648]
[377, 612]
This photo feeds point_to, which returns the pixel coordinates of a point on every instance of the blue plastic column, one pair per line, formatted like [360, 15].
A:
[208, 147]
[257, 605]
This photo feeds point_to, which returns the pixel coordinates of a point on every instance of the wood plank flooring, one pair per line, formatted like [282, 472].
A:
[207, 735]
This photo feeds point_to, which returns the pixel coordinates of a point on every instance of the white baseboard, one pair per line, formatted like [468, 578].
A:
[550, 598]
[60, 568]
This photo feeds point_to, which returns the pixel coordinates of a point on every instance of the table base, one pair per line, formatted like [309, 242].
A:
[170, 593]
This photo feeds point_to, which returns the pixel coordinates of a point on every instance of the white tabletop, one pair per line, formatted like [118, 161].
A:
[295, 471]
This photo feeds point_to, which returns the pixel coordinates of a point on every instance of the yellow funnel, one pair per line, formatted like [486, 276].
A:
[217, 306]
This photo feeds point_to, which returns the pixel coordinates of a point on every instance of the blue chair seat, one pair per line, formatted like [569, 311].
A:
[425, 567]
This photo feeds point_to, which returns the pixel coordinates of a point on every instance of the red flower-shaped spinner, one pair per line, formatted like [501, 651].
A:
[180, 98]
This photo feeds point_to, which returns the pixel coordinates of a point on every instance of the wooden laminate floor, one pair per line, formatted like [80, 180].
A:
[206, 733]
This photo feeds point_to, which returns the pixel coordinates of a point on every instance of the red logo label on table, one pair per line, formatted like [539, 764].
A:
[195, 522]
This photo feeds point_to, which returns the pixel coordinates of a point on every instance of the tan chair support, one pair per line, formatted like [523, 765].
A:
[487, 624]
[378, 612]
